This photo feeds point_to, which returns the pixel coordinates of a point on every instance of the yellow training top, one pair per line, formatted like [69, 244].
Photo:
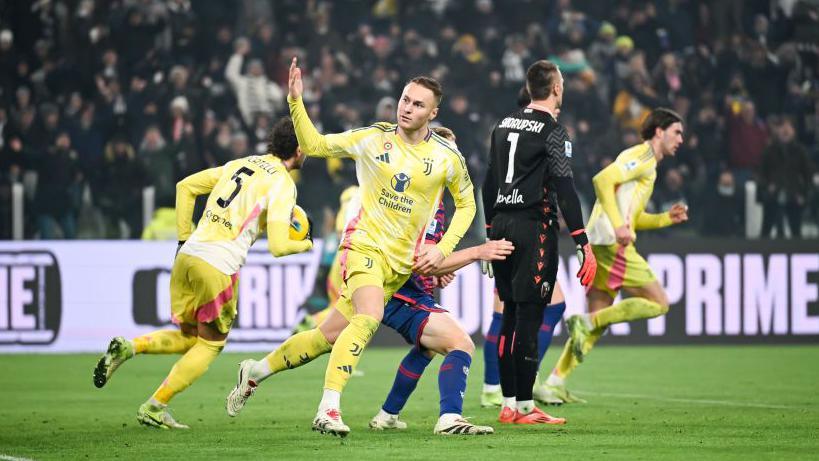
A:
[623, 189]
[400, 185]
[246, 195]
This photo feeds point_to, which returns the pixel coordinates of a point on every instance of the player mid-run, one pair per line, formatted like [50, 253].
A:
[623, 189]
[247, 195]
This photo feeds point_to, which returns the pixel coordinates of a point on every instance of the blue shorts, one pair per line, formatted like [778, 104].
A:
[408, 311]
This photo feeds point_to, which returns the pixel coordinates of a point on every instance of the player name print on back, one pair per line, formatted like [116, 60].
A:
[512, 123]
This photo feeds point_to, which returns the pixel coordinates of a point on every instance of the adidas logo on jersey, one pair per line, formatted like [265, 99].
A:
[385, 157]
[346, 368]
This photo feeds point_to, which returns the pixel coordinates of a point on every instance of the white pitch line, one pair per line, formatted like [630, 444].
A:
[727, 403]
[13, 458]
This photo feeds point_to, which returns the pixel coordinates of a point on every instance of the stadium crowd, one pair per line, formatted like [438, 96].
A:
[99, 99]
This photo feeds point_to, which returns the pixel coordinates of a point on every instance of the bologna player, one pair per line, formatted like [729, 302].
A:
[529, 177]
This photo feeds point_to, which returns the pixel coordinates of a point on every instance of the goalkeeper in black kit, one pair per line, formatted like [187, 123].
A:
[529, 177]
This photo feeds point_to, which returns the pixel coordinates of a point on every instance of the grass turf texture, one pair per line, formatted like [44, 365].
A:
[746, 402]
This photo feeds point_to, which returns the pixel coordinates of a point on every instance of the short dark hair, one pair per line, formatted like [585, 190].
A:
[523, 97]
[431, 84]
[282, 141]
[540, 77]
[661, 118]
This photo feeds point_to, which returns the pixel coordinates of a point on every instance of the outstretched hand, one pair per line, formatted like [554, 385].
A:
[495, 250]
[294, 82]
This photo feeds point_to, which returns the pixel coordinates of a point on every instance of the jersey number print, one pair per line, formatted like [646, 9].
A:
[238, 179]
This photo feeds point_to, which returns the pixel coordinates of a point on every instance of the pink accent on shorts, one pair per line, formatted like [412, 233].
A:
[618, 270]
[500, 346]
[256, 210]
[406, 299]
[491, 338]
[421, 332]
[208, 312]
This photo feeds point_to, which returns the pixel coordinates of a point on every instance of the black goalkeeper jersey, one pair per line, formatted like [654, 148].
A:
[529, 150]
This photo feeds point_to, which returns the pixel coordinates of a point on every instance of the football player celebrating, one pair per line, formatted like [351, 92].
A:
[402, 171]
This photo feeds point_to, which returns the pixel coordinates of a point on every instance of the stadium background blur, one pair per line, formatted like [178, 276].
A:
[100, 100]
[103, 101]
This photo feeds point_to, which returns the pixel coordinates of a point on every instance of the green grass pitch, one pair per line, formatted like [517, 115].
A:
[740, 402]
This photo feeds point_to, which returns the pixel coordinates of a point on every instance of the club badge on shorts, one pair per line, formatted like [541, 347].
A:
[545, 289]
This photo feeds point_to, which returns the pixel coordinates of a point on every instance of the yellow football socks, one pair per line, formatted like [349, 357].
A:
[626, 311]
[299, 349]
[188, 369]
[567, 362]
[164, 342]
[347, 350]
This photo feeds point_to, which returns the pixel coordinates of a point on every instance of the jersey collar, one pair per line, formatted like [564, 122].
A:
[542, 109]
[426, 138]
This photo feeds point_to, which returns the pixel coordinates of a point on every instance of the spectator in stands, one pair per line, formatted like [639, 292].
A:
[14, 159]
[747, 137]
[120, 198]
[785, 180]
[670, 190]
[180, 134]
[157, 160]
[57, 199]
[239, 146]
[255, 93]
[723, 216]
[123, 66]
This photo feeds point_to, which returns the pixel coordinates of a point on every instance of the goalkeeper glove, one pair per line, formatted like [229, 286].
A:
[588, 264]
[486, 267]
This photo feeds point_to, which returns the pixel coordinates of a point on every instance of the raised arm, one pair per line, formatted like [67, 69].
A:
[186, 192]
[233, 70]
[312, 142]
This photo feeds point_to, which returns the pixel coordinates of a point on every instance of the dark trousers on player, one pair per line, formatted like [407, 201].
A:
[525, 282]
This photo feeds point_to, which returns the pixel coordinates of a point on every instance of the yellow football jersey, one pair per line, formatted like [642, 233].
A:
[245, 195]
[624, 188]
[349, 204]
[400, 186]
